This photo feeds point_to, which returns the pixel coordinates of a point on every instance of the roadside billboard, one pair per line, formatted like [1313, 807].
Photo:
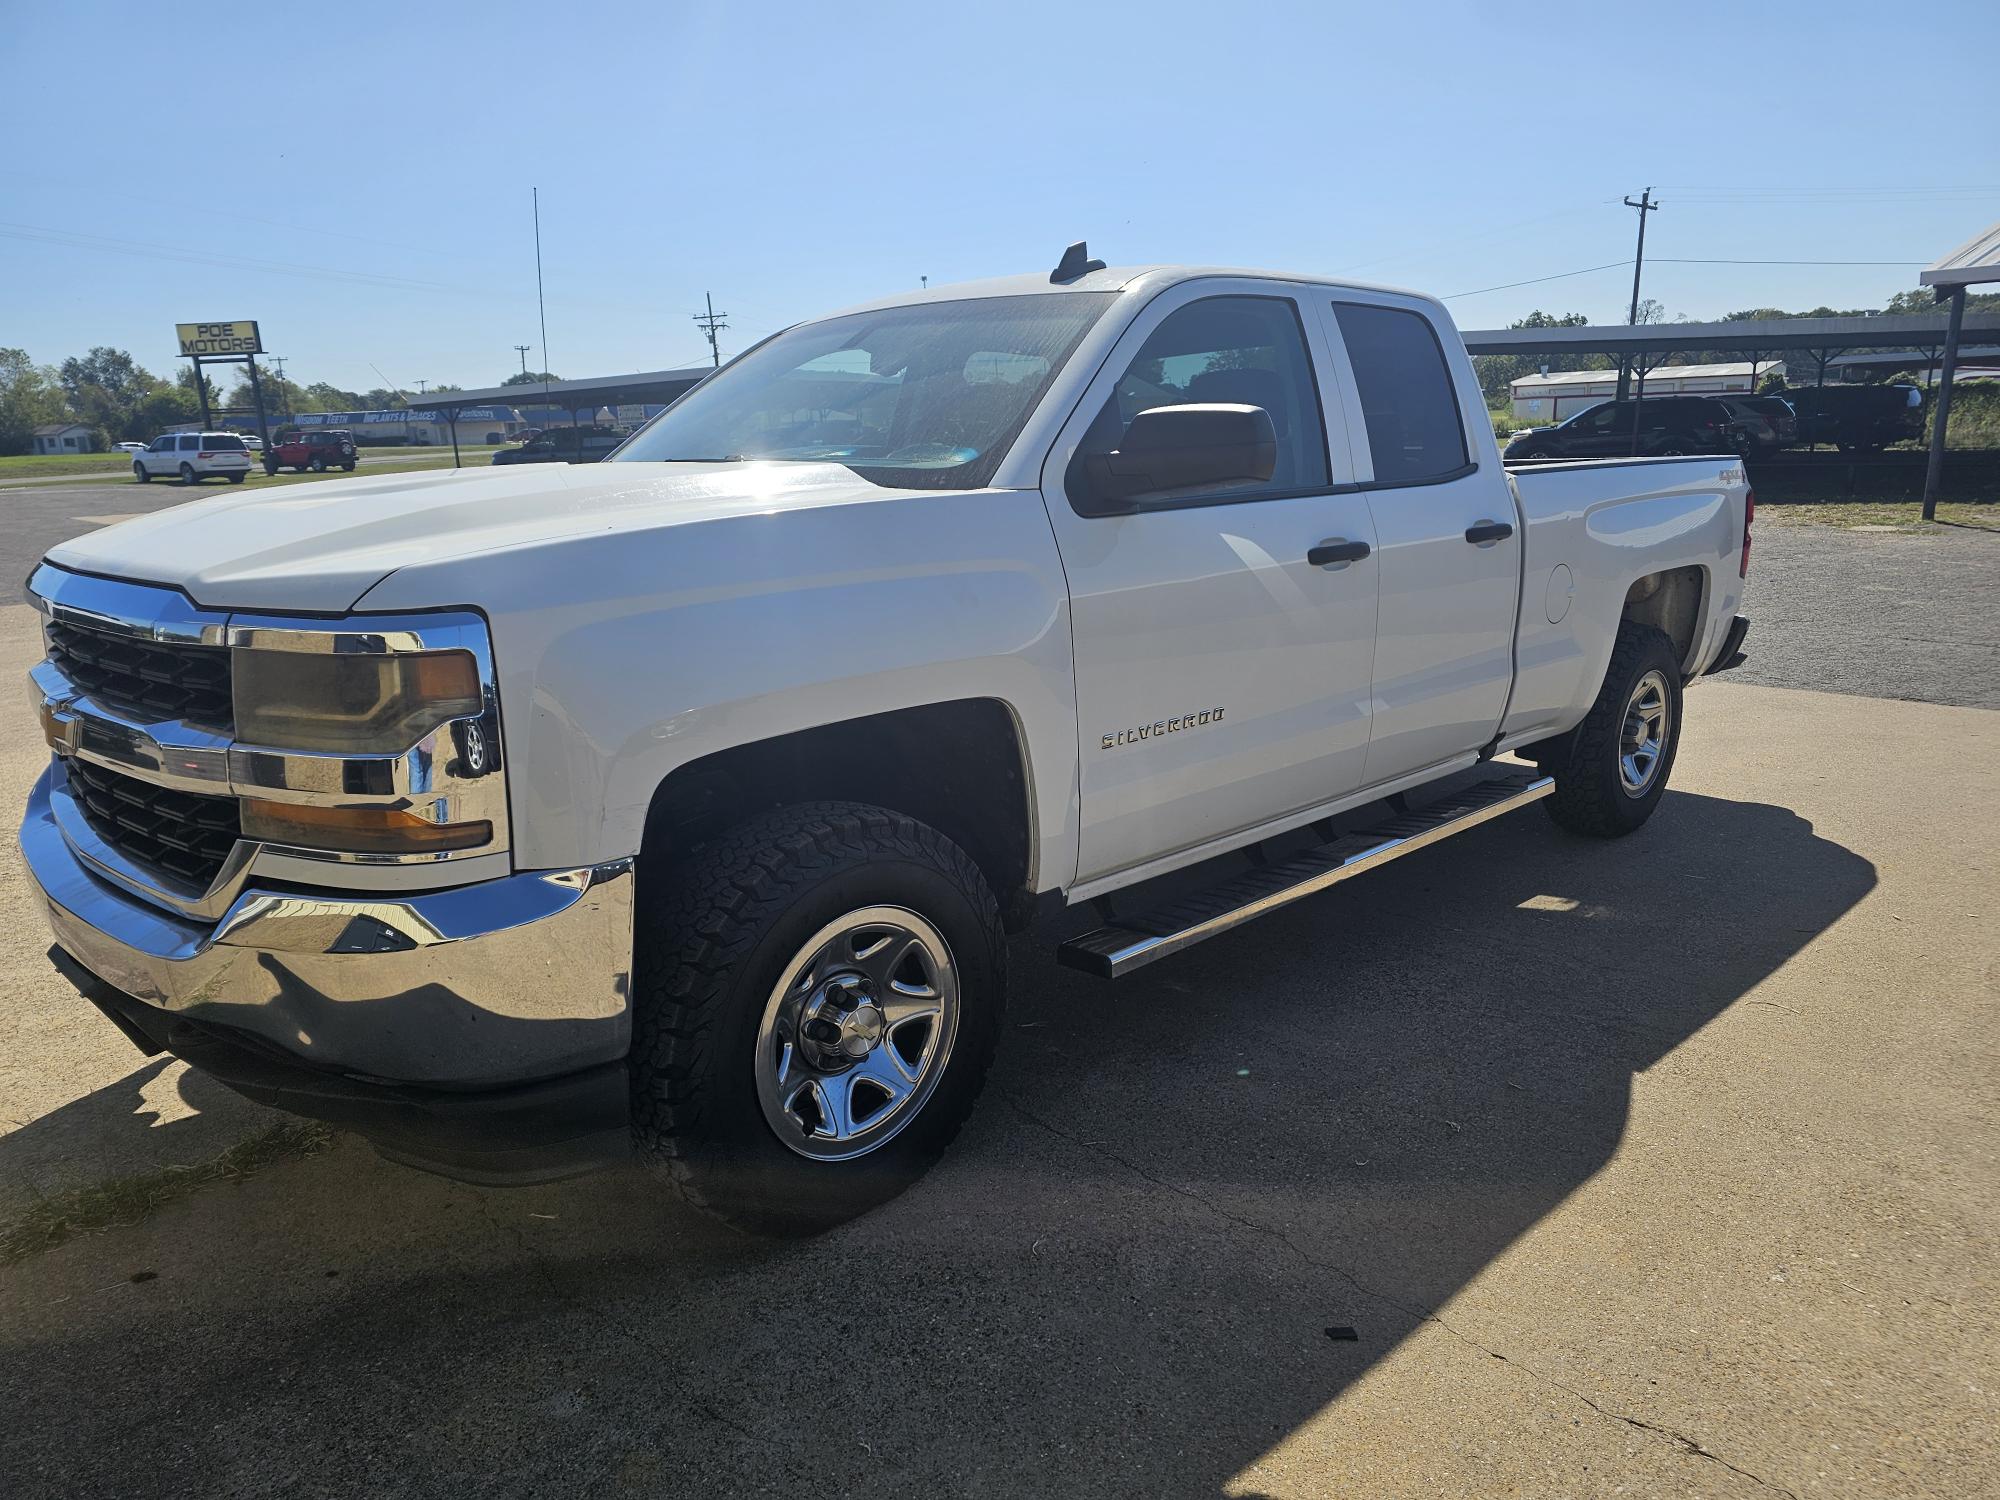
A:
[218, 338]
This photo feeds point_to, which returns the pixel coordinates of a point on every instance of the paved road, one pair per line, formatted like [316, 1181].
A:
[1664, 1165]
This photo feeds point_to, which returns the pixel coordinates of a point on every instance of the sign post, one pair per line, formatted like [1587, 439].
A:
[234, 343]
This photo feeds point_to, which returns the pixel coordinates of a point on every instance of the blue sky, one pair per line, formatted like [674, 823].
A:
[366, 195]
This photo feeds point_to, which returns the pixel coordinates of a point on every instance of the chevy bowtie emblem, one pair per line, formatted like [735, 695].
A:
[1159, 727]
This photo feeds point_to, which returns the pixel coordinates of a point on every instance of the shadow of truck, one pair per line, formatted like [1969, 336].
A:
[1118, 1284]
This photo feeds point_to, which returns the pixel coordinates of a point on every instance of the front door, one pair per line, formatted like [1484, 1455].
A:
[1448, 548]
[1222, 679]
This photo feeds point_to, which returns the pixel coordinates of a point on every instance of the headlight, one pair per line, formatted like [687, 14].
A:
[351, 704]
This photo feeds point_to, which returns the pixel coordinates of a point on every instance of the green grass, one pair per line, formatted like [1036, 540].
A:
[126, 1200]
[27, 465]
[1904, 516]
[65, 465]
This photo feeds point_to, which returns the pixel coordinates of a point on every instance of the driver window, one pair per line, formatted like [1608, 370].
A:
[1247, 351]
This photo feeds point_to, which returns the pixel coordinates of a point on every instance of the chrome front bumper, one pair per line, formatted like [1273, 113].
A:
[519, 978]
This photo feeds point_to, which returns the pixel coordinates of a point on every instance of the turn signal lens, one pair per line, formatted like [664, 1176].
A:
[357, 830]
[296, 700]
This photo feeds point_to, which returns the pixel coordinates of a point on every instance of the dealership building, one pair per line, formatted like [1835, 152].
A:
[421, 428]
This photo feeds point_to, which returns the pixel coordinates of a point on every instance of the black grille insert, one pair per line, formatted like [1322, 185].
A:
[177, 833]
[153, 679]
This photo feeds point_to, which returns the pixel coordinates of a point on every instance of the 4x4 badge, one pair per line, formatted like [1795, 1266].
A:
[1160, 726]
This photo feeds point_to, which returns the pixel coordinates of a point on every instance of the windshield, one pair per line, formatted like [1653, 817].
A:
[924, 396]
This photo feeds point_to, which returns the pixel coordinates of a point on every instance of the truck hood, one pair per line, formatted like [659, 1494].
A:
[318, 547]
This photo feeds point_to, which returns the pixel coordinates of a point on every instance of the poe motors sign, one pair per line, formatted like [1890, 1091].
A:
[206, 339]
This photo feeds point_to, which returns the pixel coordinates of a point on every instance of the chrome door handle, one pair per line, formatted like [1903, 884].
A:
[1337, 550]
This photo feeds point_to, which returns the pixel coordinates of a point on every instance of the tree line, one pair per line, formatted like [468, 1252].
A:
[121, 399]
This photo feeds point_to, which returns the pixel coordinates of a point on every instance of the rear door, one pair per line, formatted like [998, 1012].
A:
[1448, 552]
[1222, 677]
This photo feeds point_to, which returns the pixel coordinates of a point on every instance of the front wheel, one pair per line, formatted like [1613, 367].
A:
[1612, 769]
[141, 473]
[817, 998]
[319, 466]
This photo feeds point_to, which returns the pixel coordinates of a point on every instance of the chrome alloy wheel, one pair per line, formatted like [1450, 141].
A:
[1648, 720]
[857, 1033]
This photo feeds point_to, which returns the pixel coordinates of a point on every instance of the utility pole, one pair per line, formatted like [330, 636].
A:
[420, 386]
[712, 324]
[284, 401]
[1645, 205]
[524, 348]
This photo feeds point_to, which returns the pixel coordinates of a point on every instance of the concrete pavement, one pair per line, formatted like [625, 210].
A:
[1665, 1165]
[1656, 1167]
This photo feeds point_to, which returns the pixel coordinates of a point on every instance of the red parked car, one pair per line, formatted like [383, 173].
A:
[318, 449]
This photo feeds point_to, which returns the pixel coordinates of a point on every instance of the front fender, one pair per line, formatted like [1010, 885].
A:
[625, 655]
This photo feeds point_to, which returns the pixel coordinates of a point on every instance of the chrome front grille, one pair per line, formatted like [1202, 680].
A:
[178, 834]
[155, 680]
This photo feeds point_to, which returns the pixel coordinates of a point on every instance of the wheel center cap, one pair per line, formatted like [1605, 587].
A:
[860, 1031]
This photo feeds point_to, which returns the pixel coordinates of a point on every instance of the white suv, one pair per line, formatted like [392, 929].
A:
[194, 456]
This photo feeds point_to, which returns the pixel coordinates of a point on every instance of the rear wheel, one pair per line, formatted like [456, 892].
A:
[817, 998]
[1612, 769]
[239, 478]
[349, 466]
[188, 475]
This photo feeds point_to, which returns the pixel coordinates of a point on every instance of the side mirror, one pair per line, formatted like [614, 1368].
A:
[1170, 448]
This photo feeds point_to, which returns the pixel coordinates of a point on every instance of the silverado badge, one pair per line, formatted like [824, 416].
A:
[1160, 726]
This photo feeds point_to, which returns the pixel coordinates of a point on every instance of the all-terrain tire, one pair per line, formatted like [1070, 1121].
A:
[1591, 797]
[714, 933]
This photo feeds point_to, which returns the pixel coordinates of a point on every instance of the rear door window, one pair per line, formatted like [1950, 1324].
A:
[190, 442]
[1407, 396]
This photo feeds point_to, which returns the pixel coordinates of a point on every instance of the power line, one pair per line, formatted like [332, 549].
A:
[1682, 260]
[148, 251]
[1646, 206]
[1609, 265]
[712, 324]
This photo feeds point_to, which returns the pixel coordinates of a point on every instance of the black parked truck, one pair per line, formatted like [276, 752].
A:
[1858, 418]
[1665, 426]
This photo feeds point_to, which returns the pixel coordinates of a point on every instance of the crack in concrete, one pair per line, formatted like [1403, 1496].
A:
[1419, 1313]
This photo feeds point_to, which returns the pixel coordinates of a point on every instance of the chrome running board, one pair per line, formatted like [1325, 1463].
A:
[1129, 943]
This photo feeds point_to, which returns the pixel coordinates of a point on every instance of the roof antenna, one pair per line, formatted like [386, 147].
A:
[1075, 262]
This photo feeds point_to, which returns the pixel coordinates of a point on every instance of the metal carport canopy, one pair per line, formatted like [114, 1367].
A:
[600, 390]
[1975, 263]
[1761, 335]
[659, 386]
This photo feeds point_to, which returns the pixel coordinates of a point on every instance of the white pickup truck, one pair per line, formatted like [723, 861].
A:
[676, 806]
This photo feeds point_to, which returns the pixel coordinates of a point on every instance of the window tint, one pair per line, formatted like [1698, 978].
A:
[1247, 351]
[223, 442]
[161, 445]
[1406, 393]
[190, 442]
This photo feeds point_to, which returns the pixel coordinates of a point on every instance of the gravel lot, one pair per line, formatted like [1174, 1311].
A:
[1879, 615]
